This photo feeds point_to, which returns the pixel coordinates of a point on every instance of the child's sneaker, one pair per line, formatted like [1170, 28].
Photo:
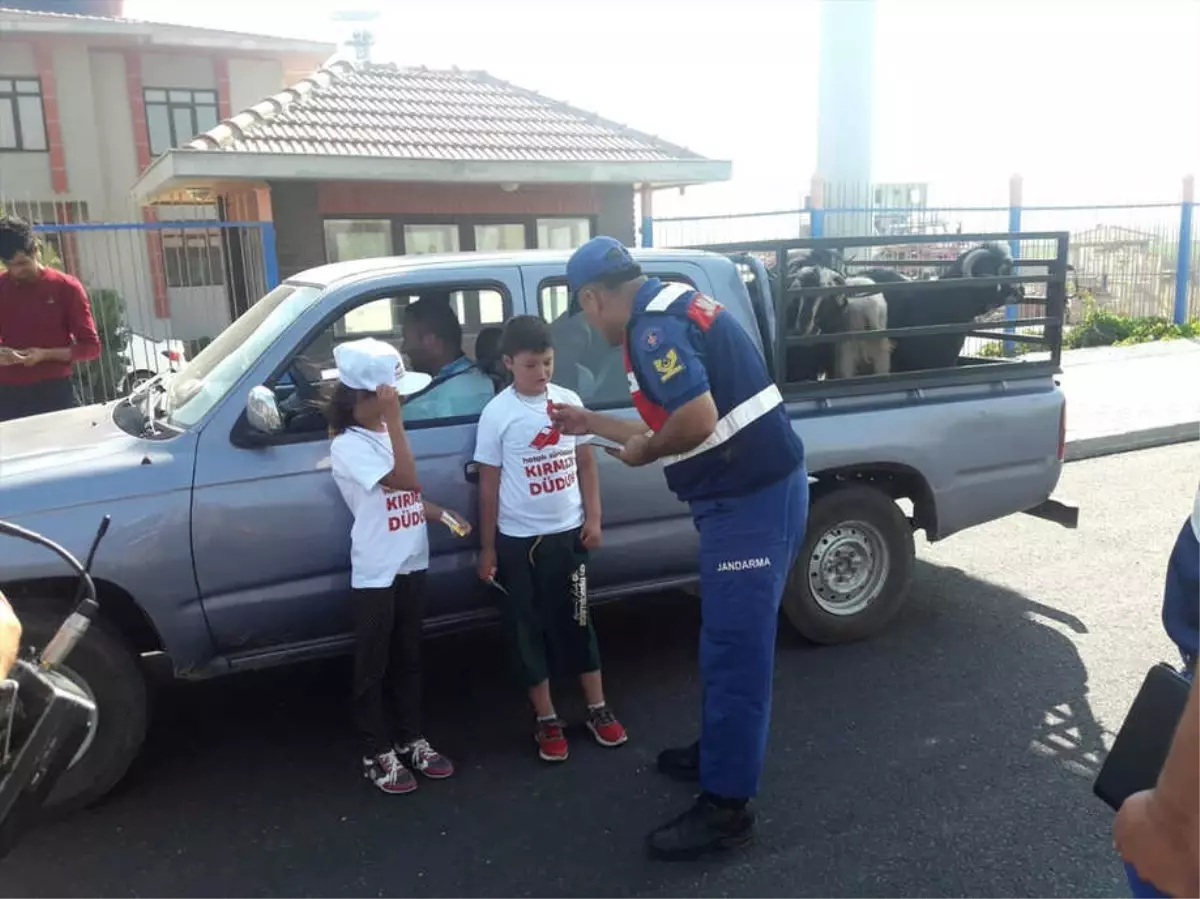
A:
[605, 727]
[388, 773]
[552, 742]
[422, 757]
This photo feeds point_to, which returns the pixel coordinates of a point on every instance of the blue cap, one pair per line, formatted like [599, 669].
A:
[596, 259]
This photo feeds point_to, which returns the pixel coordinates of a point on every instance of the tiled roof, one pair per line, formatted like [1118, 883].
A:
[382, 111]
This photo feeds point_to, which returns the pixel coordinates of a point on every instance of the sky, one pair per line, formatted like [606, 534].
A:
[1091, 101]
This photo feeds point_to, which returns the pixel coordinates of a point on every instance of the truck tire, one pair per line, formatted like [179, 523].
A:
[854, 570]
[104, 667]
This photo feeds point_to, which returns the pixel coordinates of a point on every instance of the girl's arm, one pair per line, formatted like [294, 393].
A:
[460, 526]
[403, 475]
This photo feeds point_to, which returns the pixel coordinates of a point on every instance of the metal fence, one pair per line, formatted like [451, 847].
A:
[160, 288]
[1133, 259]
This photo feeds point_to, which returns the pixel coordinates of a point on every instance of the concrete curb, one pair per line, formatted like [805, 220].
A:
[1148, 438]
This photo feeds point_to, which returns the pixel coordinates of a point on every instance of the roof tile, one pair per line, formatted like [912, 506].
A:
[384, 111]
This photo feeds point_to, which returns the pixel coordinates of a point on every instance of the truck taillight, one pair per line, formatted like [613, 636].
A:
[1062, 432]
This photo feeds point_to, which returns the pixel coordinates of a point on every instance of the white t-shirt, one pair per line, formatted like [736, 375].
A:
[539, 483]
[389, 536]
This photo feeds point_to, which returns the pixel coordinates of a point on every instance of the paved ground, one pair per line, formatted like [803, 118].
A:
[951, 756]
[1115, 390]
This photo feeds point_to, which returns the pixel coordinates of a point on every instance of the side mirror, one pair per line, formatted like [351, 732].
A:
[262, 412]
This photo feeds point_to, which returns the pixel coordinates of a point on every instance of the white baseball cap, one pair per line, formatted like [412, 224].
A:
[367, 364]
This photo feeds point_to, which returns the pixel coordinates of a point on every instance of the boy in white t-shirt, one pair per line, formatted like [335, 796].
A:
[539, 502]
[376, 473]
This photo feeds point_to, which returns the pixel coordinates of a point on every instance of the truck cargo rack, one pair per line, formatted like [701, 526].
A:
[994, 367]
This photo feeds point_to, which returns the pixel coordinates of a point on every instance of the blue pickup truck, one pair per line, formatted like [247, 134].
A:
[229, 545]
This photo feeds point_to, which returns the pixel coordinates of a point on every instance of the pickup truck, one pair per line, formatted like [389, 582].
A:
[229, 545]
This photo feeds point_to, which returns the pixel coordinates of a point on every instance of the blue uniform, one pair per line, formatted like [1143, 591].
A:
[1181, 596]
[748, 492]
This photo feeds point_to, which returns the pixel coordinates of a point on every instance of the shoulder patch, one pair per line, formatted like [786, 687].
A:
[668, 365]
[652, 339]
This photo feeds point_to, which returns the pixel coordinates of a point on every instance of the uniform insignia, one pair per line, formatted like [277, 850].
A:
[668, 365]
[652, 338]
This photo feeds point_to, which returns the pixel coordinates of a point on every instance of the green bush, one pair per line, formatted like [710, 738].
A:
[100, 379]
[1102, 327]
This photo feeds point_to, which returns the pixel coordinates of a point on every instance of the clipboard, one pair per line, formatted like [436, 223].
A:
[1140, 749]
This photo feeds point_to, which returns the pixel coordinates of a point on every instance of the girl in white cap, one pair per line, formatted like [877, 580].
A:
[376, 473]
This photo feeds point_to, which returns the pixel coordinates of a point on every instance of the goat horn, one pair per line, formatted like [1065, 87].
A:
[970, 259]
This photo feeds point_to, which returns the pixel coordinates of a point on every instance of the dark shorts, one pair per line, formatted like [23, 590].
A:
[24, 400]
[545, 610]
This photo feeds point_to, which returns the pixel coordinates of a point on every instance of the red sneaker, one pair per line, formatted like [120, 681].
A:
[387, 773]
[552, 742]
[605, 727]
[420, 756]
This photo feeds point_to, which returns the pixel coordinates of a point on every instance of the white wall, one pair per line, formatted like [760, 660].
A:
[181, 71]
[253, 80]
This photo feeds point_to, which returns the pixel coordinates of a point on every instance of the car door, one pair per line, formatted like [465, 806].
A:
[275, 507]
[648, 533]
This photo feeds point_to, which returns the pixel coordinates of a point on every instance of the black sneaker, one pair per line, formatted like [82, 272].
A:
[703, 829]
[682, 763]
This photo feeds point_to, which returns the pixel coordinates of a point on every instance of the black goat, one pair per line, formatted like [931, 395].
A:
[948, 306]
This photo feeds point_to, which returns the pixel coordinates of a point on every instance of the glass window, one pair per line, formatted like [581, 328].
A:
[563, 234]
[22, 119]
[583, 360]
[193, 258]
[347, 239]
[420, 239]
[174, 117]
[463, 395]
[212, 373]
[493, 238]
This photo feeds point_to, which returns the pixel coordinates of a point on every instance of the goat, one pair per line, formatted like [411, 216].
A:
[806, 363]
[850, 312]
[949, 306]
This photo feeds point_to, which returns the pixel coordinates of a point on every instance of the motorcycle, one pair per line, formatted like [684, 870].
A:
[44, 717]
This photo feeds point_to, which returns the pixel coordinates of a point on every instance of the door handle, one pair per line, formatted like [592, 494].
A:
[471, 472]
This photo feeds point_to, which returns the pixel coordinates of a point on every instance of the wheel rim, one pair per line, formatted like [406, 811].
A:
[848, 567]
[81, 685]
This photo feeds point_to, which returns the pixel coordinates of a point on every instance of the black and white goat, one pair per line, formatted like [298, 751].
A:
[914, 309]
[810, 362]
[853, 311]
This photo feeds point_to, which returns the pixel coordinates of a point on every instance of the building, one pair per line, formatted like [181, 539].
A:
[369, 159]
[87, 102]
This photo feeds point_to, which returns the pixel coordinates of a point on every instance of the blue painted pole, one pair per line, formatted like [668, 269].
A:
[1183, 264]
[270, 257]
[647, 230]
[647, 198]
[1014, 246]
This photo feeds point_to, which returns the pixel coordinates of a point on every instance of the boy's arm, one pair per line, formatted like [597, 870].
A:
[589, 483]
[489, 506]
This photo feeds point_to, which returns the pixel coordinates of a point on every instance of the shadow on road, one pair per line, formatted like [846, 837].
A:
[950, 756]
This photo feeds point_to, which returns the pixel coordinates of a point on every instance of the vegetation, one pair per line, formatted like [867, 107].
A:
[1103, 327]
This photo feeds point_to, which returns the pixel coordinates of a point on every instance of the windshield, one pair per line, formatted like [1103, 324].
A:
[206, 379]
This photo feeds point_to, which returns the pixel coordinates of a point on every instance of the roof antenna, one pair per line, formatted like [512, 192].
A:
[361, 40]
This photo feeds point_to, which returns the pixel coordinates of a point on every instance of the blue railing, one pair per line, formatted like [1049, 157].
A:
[1144, 256]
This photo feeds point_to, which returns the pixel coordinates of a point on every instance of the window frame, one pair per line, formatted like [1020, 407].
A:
[327, 322]
[171, 107]
[11, 97]
[561, 281]
[213, 245]
[465, 223]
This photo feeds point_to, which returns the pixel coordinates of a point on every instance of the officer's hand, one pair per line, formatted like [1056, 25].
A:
[636, 451]
[10, 637]
[1153, 837]
[572, 420]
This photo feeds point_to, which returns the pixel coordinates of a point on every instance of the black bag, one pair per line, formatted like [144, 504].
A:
[1140, 749]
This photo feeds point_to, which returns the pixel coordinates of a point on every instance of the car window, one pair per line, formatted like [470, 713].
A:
[583, 360]
[481, 311]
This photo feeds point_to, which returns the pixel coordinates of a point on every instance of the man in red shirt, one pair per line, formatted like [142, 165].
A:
[45, 327]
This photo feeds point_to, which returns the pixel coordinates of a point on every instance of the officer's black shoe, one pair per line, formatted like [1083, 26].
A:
[682, 763]
[711, 825]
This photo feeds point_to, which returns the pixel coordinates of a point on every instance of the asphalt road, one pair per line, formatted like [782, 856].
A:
[951, 756]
